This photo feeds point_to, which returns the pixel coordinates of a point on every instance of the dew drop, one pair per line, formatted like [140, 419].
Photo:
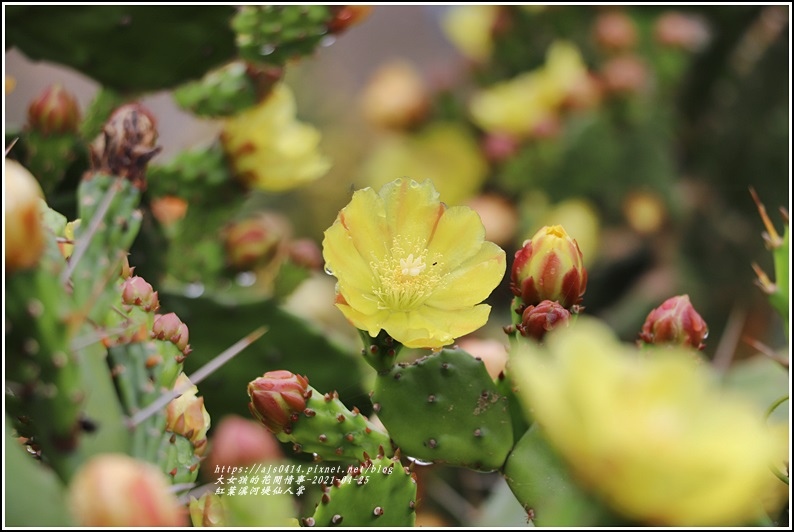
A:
[328, 270]
[267, 49]
[245, 279]
[194, 290]
[327, 41]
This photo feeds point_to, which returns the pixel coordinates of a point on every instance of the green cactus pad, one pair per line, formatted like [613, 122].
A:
[110, 43]
[273, 35]
[380, 493]
[327, 428]
[543, 485]
[445, 408]
[221, 92]
[177, 459]
[48, 157]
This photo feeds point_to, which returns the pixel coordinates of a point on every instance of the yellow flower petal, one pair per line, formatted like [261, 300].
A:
[479, 272]
[412, 210]
[446, 240]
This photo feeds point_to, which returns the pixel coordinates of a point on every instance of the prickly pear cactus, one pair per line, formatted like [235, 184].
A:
[379, 492]
[275, 34]
[221, 92]
[542, 484]
[445, 408]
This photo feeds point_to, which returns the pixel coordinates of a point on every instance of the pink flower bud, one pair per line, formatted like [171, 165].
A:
[549, 266]
[136, 291]
[54, 112]
[305, 252]
[237, 441]
[170, 327]
[679, 30]
[275, 397]
[625, 74]
[537, 320]
[115, 490]
[675, 322]
[615, 30]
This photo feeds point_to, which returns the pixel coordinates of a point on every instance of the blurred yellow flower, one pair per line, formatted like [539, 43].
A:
[518, 105]
[407, 264]
[444, 151]
[270, 149]
[649, 432]
[470, 29]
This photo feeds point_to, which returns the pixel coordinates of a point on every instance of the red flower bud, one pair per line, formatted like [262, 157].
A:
[675, 322]
[256, 241]
[537, 320]
[54, 112]
[549, 266]
[276, 396]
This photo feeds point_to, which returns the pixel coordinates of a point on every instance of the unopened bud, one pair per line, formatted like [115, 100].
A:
[675, 322]
[170, 327]
[678, 30]
[237, 441]
[549, 266]
[307, 253]
[614, 31]
[275, 397]
[256, 241]
[136, 291]
[395, 97]
[187, 416]
[208, 510]
[537, 320]
[115, 490]
[24, 231]
[54, 112]
[626, 74]
[169, 209]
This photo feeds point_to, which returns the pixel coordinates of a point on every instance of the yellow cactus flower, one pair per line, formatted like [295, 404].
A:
[519, 105]
[407, 264]
[269, 149]
[470, 29]
[650, 433]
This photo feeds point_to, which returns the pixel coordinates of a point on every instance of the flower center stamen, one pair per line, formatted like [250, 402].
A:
[404, 280]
